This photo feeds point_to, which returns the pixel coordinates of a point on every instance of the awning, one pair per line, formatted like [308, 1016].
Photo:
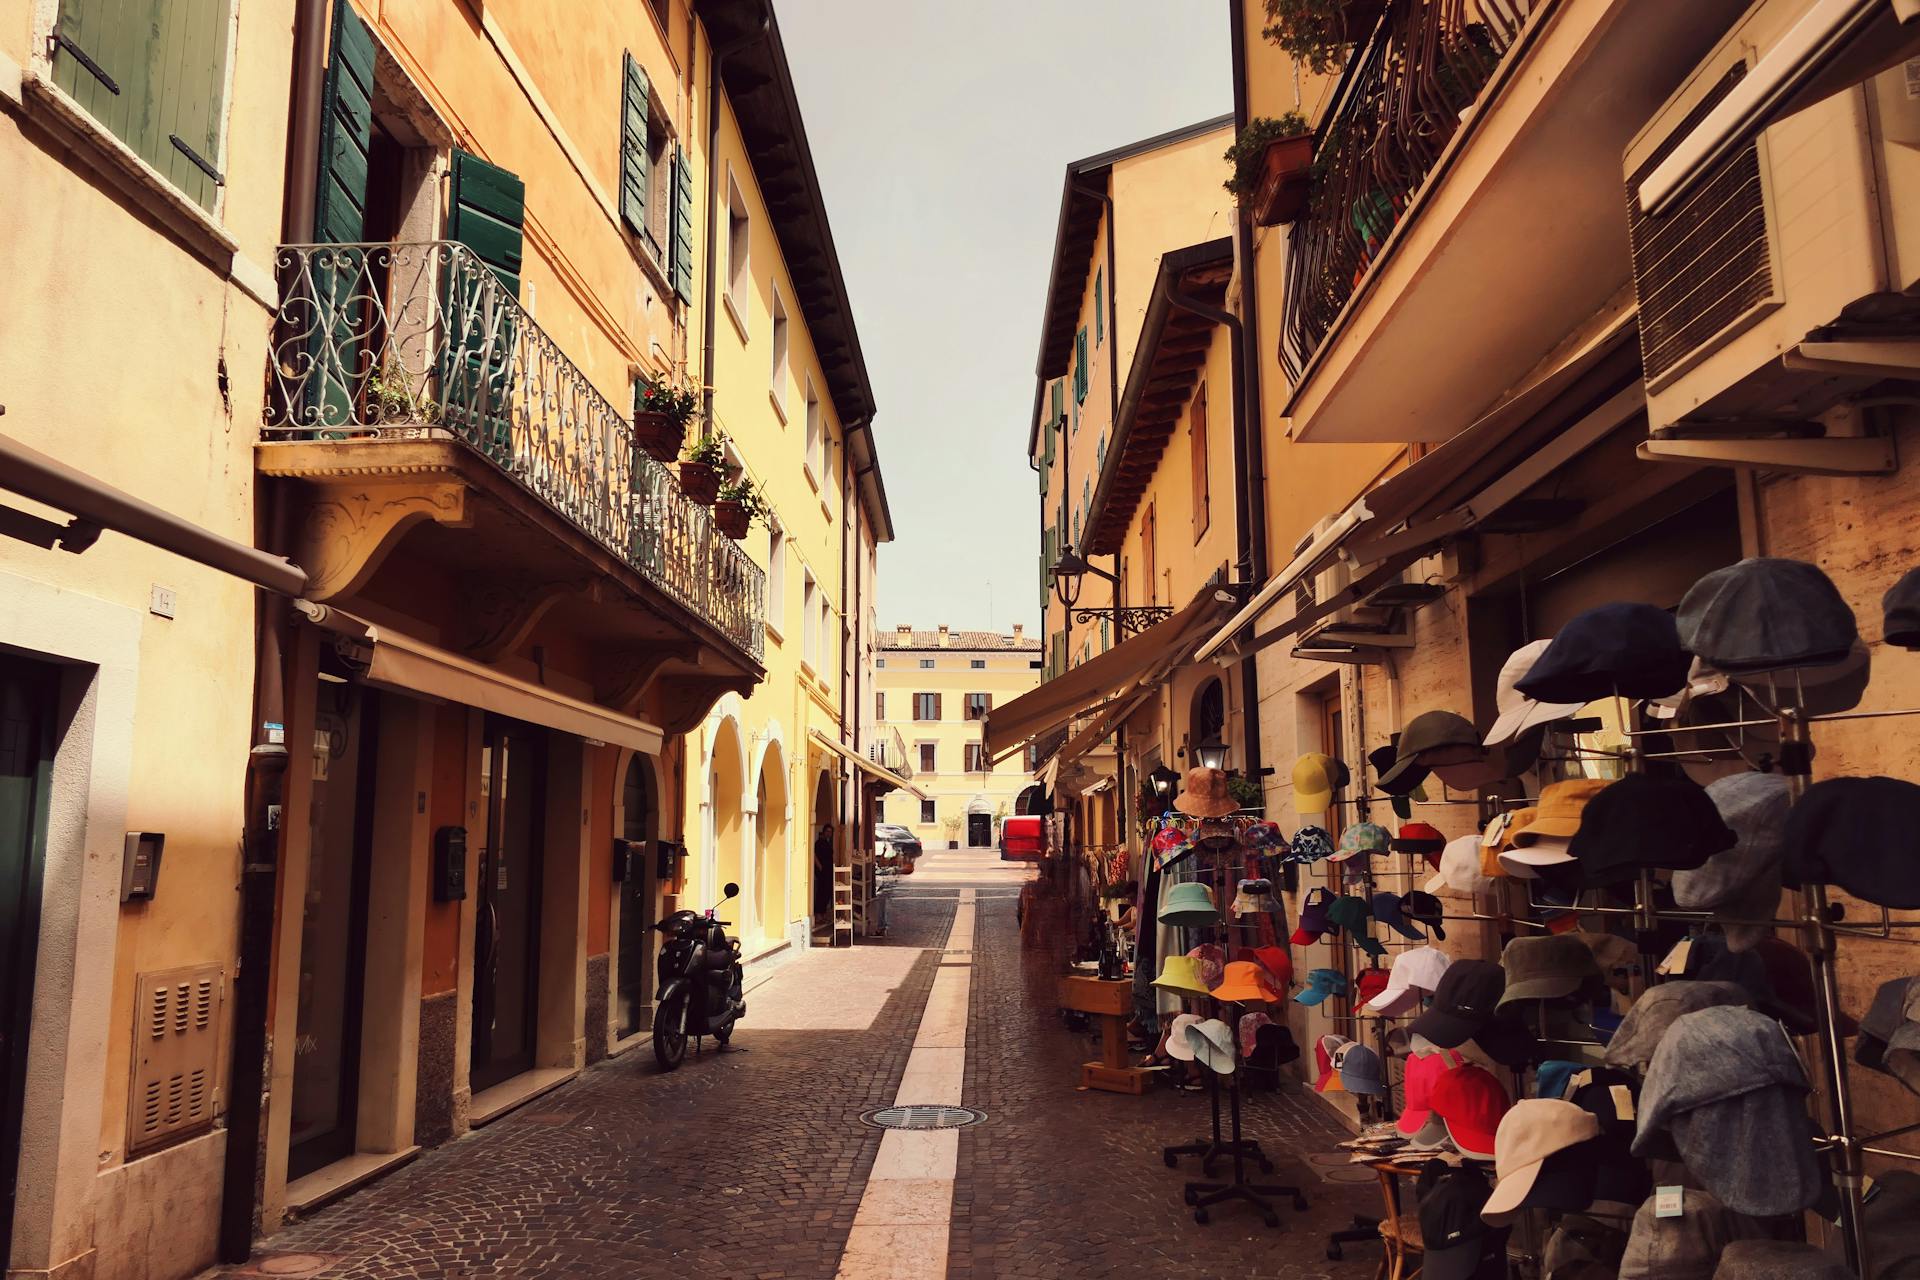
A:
[420, 670]
[1101, 678]
[869, 767]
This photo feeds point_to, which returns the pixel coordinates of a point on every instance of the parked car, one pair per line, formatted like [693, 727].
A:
[1023, 838]
[905, 844]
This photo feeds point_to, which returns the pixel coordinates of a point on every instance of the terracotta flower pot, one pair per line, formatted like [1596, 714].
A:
[1285, 180]
[659, 435]
[700, 482]
[731, 518]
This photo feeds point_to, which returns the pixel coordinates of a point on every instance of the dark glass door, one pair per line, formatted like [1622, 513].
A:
[506, 950]
[27, 711]
[333, 933]
[630, 993]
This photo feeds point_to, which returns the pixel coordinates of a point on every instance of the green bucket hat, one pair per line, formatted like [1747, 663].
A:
[1189, 906]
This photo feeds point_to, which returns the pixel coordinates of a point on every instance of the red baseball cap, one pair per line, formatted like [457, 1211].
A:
[1471, 1101]
[1369, 984]
[1277, 961]
[1421, 838]
[1423, 1072]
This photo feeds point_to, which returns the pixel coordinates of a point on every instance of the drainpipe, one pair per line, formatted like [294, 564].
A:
[267, 759]
[716, 55]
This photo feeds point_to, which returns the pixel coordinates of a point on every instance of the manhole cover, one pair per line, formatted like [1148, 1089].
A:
[923, 1117]
[291, 1264]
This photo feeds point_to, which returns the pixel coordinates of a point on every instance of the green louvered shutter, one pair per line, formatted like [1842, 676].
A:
[487, 210]
[487, 213]
[633, 148]
[680, 243]
[1059, 401]
[154, 72]
[1099, 308]
[339, 217]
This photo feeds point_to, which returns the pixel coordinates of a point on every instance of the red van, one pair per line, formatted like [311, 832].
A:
[1023, 838]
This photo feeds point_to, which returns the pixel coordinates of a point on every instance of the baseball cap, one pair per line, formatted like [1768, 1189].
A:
[1518, 712]
[1726, 1087]
[1890, 1033]
[1415, 970]
[1628, 649]
[1322, 983]
[1404, 784]
[1498, 838]
[1362, 837]
[1315, 778]
[1387, 910]
[1326, 1073]
[1766, 613]
[1778, 1260]
[1276, 960]
[1547, 967]
[1742, 882]
[1857, 833]
[1645, 821]
[1421, 838]
[1310, 844]
[1313, 918]
[1425, 910]
[1361, 1070]
[1470, 1102]
[1900, 611]
[1546, 840]
[1348, 913]
[1687, 1246]
[1421, 1072]
[1647, 1021]
[1368, 984]
[1432, 737]
[1532, 1130]
[1459, 870]
[1465, 999]
[1458, 1243]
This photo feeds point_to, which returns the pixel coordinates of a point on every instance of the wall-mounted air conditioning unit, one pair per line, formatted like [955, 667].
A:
[1780, 284]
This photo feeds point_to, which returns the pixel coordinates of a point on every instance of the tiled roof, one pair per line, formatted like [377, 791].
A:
[966, 640]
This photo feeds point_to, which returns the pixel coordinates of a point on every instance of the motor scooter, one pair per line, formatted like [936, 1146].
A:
[700, 976]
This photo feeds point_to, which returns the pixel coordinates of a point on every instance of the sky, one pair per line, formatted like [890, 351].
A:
[941, 132]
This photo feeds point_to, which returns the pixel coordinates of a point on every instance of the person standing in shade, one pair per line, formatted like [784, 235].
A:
[823, 876]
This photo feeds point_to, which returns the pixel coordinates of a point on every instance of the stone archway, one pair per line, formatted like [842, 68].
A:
[821, 863]
[726, 792]
[771, 843]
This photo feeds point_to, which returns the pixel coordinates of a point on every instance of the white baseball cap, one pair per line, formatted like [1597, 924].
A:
[1460, 867]
[1518, 712]
[1415, 970]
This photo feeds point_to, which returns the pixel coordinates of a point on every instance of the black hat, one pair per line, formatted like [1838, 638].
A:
[1464, 1001]
[1613, 1096]
[1858, 833]
[1766, 614]
[1902, 606]
[1645, 821]
[1629, 649]
[1424, 908]
[1405, 781]
[1460, 1245]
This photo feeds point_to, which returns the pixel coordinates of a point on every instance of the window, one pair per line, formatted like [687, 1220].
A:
[1148, 569]
[739, 251]
[810, 620]
[778, 375]
[650, 177]
[777, 581]
[1197, 442]
[978, 705]
[926, 811]
[824, 629]
[1099, 309]
[160, 86]
[659, 8]
[927, 757]
[977, 664]
[926, 664]
[1080, 379]
[816, 437]
[879, 706]
[975, 758]
[926, 706]
[879, 664]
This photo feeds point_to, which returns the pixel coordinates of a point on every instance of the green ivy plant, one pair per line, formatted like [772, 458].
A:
[393, 396]
[1312, 32]
[748, 495]
[710, 449]
[1248, 153]
[1246, 792]
[659, 394]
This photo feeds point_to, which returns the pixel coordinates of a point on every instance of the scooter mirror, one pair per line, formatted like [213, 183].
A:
[732, 890]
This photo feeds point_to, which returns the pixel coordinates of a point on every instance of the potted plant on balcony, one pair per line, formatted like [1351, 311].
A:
[661, 411]
[700, 468]
[740, 503]
[1272, 167]
[1317, 32]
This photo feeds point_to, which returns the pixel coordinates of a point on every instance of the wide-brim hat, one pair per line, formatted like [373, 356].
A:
[1177, 1043]
[1181, 973]
[1247, 982]
[1206, 795]
[1189, 905]
[1212, 1044]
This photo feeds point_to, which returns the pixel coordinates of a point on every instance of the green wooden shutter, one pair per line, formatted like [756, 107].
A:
[680, 244]
[486, 211]
[1099, 310]
[346, 132]
[633, 147]
[154, 72]
[1059, 401]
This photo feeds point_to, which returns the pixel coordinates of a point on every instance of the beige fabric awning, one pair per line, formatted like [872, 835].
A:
[1100, 678]
[865, 765]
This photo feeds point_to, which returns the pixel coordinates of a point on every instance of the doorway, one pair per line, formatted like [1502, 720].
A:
[632, 991]
[823, 855]
[979, 830]
[27, 712]
[506, 944]
[333, 933]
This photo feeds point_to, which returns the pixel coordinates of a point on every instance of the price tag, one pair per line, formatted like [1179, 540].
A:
[1667, 1202]
[1676, 961]
[1622, 1102]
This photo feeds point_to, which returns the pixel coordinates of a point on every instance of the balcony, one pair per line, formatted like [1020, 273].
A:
[888, 749]
[413, 396]
[1467, 209]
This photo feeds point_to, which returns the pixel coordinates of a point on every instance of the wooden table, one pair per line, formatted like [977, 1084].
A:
[1111, 999]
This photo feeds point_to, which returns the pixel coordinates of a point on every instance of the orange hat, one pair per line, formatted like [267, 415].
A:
[1502, 839]
[1559, 810]
[1247, 982]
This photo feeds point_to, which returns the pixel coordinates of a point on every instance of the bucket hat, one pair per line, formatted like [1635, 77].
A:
[1459, 1243]
[1362, 838]
[1178, 1046]
[1728, 1091]
[1313, 918]
[1264, 835]
[1322, 983]
[1766, 613]
[1685, 1247]
[1459, 871]
[1548, 967]
[1647, 1021]
[1315, 778]
[1189, 905]
[1900, 611]
[1387, 909]
[1421, 1073]
[1212, 1043]
[1432, 737]
[1629, 649]
[1406, 780]
[1471, 1103]
[1518, 712]
[1310, 844]
[1249, 1031]
[1205, 794]
[1361, 1070]
[1181, 973]
[1890, 1033]
[1465, 999]
[1742, 882]
[1245, 982]
[1415, 970]
[1778, 1260]
[1645, 821]
[1253, 897]
[1421, 838]
[1210, 962]
[1326, 1075]
[1857, 833]
[1531, 1130]
[1275, 960]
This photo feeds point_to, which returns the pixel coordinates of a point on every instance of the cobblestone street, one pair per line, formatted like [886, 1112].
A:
[754, 1162]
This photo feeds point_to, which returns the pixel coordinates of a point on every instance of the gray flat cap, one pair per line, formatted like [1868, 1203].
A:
[1779, 1260]
[1766, 614]
[1647, 1021]
[1687, 1247]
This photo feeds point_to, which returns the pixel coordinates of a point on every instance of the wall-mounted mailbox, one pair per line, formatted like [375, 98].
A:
[140, 865]
[627, 860]
[668, 854]
[450, 864]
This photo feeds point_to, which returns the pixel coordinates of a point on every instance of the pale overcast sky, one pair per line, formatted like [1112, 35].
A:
[941, 132]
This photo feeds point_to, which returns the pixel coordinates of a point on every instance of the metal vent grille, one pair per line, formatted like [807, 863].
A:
[177, 1036]
[923, 1117]
[1703, 266]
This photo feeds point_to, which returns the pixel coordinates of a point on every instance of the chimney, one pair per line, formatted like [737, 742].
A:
[1018, 629]
[903, 634]
[945, 640]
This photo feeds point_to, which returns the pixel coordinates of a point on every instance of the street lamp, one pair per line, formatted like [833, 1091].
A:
[1163, 779]
[1211, 754]
[1067, 572]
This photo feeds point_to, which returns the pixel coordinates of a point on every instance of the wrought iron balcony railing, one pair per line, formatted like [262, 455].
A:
[888, 749]
[424, 341]
[1396, 108]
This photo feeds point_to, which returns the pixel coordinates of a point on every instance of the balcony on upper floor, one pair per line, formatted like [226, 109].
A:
[886, 748]
[411, 397]
[1466, 209]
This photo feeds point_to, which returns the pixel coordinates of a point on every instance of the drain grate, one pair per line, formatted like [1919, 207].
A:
[923, 1117]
